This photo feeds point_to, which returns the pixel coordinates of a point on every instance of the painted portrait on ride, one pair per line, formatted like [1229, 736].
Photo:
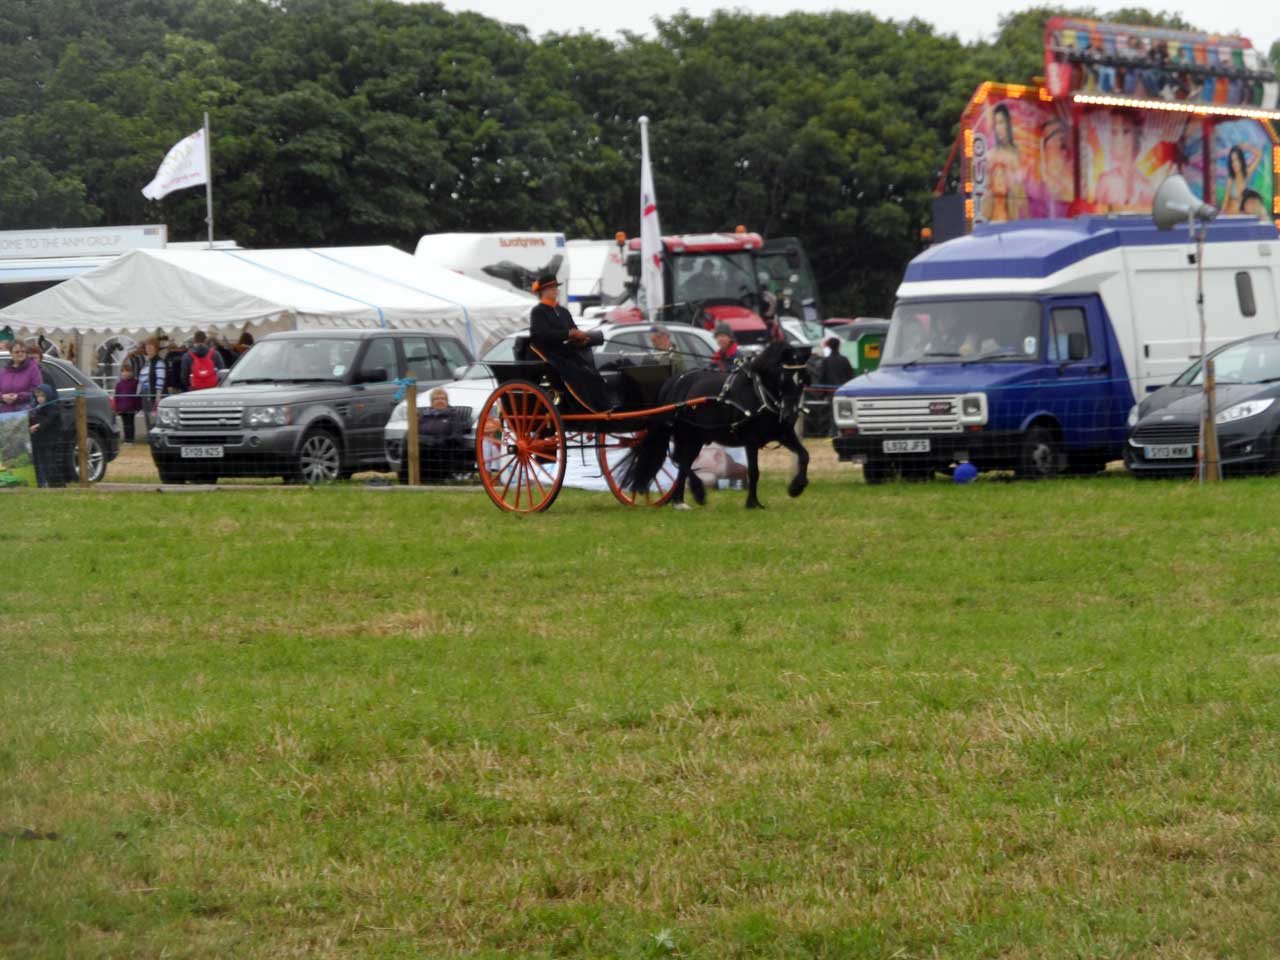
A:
[1022, 160]
[1242, 168]
[1126, 154]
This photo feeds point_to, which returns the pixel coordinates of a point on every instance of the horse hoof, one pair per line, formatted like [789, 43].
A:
[681, 506]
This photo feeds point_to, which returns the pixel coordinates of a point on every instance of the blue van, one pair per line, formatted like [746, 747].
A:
[1024, 345]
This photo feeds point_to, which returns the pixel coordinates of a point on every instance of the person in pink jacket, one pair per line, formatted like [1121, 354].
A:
[18, 380]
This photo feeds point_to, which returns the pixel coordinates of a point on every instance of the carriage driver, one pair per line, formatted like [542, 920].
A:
[568, 349]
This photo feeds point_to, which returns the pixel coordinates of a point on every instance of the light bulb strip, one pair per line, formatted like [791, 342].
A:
[1199, 109]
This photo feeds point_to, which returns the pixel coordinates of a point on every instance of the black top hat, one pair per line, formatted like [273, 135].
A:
[545, 280]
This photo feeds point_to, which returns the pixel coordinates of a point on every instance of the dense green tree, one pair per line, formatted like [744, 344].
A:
[363, 121]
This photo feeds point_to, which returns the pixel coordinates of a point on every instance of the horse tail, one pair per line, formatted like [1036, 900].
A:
[645, 459]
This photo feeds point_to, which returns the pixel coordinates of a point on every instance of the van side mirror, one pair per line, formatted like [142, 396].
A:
[1077, 349]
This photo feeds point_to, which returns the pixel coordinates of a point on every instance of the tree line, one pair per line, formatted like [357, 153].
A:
[372, 121]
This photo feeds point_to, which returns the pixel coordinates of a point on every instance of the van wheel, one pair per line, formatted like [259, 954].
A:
[1041, 456]
[319, 458]
[876, 471]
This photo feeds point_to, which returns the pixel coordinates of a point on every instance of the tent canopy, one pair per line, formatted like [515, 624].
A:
[225, 291]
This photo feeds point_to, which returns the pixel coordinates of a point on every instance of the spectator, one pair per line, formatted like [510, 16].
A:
[6, 339]
[126, 402]
[242, 346]
[722, 359]
[49, 450]
[18, 380]
[442, 438]
[173, 360]
[660, 338]
[224, 351]
[151, 379]
[201, 364]
[836, 370]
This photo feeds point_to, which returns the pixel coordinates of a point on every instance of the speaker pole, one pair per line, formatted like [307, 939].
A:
[1210, 466]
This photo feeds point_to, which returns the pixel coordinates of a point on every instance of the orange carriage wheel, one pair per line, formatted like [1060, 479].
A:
[520, 448]
[612, 449]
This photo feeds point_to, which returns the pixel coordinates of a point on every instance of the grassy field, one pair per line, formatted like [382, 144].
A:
[1003, 720]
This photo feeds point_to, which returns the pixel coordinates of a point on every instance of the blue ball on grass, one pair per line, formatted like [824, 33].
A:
[965, 473]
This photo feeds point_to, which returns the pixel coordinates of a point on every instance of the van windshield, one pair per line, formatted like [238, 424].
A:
[963, 331]
[319, 359]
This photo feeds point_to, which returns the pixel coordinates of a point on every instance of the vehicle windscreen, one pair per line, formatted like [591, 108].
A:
[791, 280]
[963, 331]
[1254, 361]
[712, 276]
[504, 351]
[302, 360]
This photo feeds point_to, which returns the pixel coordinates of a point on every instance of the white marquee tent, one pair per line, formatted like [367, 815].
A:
[228, 291]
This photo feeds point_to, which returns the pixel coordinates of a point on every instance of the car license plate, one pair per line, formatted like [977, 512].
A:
[907, 446]
[1180, 451]
[201, 453]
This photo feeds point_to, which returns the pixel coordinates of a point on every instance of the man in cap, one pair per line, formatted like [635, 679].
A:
[568, 349]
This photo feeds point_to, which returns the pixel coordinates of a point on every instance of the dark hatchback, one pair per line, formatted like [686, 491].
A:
[1164, 429]
[309, 406]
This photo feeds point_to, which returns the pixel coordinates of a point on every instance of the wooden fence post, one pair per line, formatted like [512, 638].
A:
[411, 437]
[82, 437]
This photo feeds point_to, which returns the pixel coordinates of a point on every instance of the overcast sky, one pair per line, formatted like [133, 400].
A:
[1259, 20]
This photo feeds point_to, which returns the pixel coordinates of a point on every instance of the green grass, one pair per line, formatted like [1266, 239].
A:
[1004, 720]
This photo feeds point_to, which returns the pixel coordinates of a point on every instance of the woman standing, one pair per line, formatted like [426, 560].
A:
[151, 379]
[18, 380]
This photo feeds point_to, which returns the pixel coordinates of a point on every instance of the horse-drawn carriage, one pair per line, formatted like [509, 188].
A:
[533, 422]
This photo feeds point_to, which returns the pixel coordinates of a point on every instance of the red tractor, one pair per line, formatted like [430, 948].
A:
[710, 278]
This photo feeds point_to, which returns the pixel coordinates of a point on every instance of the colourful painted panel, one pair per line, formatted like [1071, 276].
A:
[1243, 178]
[1022, 161]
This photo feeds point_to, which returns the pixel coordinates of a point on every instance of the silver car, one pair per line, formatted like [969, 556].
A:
[474, 383]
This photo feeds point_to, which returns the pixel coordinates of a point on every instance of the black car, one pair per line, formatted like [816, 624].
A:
[309, 406]
[1164, 429]
[104, 431]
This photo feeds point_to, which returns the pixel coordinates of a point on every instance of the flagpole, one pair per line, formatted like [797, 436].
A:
[208, 180]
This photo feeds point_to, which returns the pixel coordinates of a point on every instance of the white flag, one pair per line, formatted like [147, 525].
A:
[184, 166]
[650, 233]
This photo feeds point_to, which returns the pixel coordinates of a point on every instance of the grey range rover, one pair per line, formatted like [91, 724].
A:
[308, 406]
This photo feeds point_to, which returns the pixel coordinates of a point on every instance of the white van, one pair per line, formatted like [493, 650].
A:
[597, 274]
[511, 261]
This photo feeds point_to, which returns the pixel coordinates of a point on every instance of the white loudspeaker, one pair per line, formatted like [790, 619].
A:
[1175, 204]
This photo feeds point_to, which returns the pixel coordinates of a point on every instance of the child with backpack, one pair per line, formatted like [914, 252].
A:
[201, 364]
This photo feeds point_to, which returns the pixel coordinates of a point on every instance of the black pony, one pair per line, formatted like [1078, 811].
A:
[753, 404]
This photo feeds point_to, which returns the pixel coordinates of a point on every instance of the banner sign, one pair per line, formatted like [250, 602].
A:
[80, 242]
[1126, 154]
[1154, 63]
[1023, 160]
[1028, 155]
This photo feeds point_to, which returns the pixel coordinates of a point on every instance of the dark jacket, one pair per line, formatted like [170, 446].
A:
[151, 379]
[173, 360]
[438, 428]
[836, 370]
[51, 421]
[199, 350]
[548, 329]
